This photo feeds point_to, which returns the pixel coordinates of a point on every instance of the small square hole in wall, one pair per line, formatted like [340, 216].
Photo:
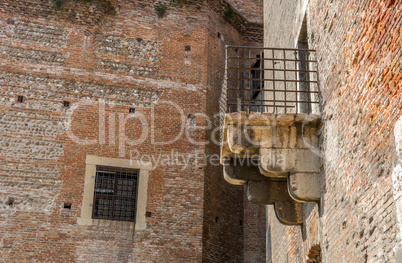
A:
[66, 104]
[20, 99]
[10, 201]
[187, 48]
[131, 110]
[67, 205]
[148, 214]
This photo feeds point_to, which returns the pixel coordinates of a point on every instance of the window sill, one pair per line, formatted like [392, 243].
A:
[110, 223]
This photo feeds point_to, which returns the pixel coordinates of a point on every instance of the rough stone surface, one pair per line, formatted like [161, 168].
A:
[397, 187]
[304, 187]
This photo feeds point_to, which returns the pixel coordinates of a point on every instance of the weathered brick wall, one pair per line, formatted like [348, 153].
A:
[254, 232]
[359, 59]
[251, 9]
[358, 47]
[112, 61]
[224, 212]
[222, 206]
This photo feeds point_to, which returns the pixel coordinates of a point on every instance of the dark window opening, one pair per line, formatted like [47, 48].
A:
[66, 104]
[20, 99]
[303, 67]
[115, 194]
[257, 74]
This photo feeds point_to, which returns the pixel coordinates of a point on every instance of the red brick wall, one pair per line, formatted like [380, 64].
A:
[127, 59]
[358, 47]
[250, 9]
[222, 206]
[254, 232]
[359, 57]
[225, 228]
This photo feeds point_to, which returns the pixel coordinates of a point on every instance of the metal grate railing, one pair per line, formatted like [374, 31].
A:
[115, 193]
[272, 80]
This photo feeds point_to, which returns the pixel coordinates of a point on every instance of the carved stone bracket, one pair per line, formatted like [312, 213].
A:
[276, 156]
[287, 210]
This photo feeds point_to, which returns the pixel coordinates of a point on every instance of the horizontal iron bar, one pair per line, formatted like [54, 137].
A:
[287, 101]
[274, 69]
[269, 48]
[274, 59]
[276, 90]
[281, 106]
[284, 80]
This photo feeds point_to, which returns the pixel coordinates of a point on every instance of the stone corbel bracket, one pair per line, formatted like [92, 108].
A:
[263, 190]
[287, 210]
[283, 148]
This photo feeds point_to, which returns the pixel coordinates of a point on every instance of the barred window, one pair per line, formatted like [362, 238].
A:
[115, 194]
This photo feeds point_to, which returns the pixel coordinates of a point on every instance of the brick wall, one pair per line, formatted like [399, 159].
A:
[254, 232]
[99, 60]
[252, 10]
[359, 58]
[222, 206]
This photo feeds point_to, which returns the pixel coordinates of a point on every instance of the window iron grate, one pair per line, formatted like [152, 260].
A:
[115, 193]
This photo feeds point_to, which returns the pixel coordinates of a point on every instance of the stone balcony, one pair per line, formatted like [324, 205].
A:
[269, 136]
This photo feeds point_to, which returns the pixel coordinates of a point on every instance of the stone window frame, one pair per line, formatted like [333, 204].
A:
[88, 196]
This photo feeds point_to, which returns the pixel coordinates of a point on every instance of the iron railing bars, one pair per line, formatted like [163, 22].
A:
[264, 87]
[249, 85]
[273, 78]
[284, 77]
[260, 106]
[296, 91]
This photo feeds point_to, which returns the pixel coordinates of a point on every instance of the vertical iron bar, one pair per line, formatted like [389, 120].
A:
[238, 85]
[297, 83]
[261, 79]
[284, 76]
[249, 82]
[227, 79]
[114, 194]
[309, 109]
[137, 180]
[273, 78]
